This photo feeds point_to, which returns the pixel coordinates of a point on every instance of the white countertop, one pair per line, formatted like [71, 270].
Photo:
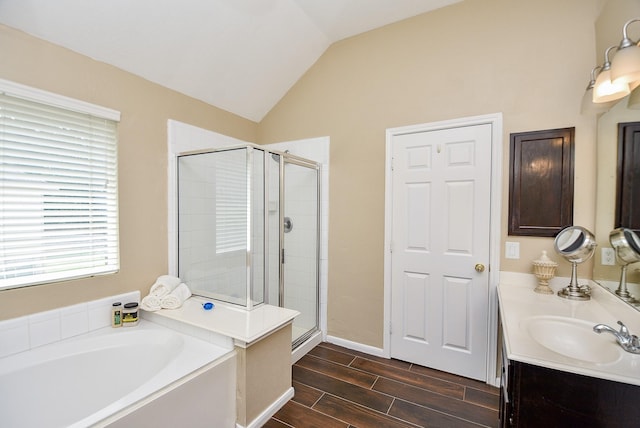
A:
[244, 327]
[518, 303]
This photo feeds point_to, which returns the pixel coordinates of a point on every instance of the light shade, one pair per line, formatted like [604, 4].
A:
[625, 67]
[589, 107]
[605, 90]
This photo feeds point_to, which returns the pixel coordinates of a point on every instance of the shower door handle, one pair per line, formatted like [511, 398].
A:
[288, 225]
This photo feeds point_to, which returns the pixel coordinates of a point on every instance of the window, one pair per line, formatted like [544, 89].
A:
[58, 188]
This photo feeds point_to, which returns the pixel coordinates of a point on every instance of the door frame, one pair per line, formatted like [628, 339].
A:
[495, 120]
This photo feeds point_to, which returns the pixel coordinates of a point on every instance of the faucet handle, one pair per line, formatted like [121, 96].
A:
[635, 342]
[624, 331]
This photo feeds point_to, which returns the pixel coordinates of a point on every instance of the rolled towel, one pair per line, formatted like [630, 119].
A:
[164, 285]
[176, 298]
[150, 303]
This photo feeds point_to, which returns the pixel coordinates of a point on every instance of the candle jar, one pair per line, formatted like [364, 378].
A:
[544, 269]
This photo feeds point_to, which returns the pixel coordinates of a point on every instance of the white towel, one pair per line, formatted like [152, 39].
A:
[150, 303]
[164, 285]
[176, 298]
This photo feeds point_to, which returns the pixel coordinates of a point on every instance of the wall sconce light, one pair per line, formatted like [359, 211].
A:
[588, 106]
[605, 90]
[616, 78]
[625, 67]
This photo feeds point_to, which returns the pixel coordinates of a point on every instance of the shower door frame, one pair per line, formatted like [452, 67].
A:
[287, 158]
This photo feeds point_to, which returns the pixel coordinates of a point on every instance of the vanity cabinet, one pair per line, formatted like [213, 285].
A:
[534, 396]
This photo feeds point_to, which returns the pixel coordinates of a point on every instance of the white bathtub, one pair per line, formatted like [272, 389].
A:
[110, 376]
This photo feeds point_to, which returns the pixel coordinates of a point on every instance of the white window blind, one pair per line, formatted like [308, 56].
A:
[58, 193]
[231, 200]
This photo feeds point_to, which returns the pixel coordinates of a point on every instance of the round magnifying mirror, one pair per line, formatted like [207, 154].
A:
[577, 245]
[627, 246]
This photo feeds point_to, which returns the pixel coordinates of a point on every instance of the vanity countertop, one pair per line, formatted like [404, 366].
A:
[519, 305]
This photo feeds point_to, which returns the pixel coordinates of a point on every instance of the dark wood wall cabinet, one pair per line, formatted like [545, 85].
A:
[541, 182]
[534, 396]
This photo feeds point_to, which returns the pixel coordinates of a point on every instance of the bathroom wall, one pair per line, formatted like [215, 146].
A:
[528, 60]
[142, 157]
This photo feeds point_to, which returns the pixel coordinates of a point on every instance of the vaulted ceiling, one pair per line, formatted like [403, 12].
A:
[238, 55]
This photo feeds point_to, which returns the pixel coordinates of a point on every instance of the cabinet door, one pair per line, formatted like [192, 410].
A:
[544, 397]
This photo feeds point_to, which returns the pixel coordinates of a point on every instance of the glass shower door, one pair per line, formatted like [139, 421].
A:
[301, 246]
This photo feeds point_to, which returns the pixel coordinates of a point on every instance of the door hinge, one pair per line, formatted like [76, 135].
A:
[282, 257]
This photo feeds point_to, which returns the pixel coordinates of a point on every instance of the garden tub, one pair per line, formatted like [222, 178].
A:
[147, 374]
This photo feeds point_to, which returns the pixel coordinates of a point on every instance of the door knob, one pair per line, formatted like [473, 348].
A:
[479, 267]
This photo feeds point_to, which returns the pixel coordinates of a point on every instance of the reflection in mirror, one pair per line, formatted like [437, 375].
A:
[577, 245]
[627, 246]
[609, 275]
[606, 271]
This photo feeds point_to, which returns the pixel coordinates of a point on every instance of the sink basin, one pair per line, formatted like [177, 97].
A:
[573, 338]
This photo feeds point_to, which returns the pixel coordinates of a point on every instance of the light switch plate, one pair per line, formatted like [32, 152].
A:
[512, 250]
[607, 256]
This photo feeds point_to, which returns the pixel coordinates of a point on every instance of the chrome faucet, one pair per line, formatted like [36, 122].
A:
[628, 342]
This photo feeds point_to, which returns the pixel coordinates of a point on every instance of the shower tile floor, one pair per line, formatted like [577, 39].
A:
[338, 387]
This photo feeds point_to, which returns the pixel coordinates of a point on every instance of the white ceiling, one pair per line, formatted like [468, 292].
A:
[239, 55]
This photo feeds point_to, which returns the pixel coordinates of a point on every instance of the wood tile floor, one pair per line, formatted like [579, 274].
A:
[338, 387]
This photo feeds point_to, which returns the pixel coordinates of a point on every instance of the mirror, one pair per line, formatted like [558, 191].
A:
[608, 31]
[609, 276]
[577, 245]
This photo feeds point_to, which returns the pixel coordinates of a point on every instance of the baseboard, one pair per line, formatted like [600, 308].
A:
[367, 349]
[264, 417]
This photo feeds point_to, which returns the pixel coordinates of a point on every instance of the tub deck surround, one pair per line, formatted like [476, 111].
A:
[519, 303]
[244, 327]
[262, 339]
[43, 328]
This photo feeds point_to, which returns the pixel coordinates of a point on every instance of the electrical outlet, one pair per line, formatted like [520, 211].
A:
[607, 256]
[512, 250]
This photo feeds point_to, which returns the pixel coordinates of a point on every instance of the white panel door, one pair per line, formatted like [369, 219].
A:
[441, 182]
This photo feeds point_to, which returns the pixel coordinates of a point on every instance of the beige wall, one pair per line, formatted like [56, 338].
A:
[145, 108]
[529, 60]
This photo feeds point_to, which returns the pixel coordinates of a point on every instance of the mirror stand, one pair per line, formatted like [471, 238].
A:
[576, 244]
[574, 291]
[622, 291]
[627, 246]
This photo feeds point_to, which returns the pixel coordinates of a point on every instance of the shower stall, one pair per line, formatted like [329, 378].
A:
[248, 230]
